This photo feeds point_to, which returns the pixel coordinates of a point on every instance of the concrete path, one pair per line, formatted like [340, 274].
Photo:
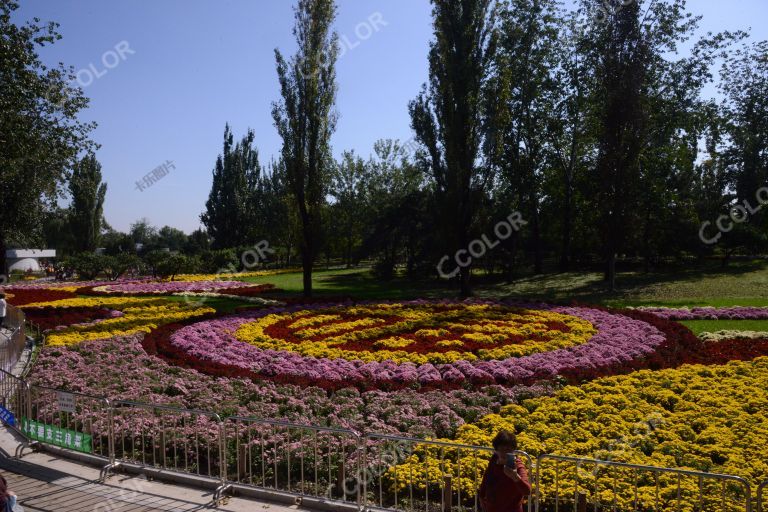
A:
[45, 483]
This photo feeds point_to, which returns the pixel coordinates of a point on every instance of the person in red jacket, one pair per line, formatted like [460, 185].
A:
[504, 486]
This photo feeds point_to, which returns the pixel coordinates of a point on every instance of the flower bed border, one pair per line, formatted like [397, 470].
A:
[679, 340]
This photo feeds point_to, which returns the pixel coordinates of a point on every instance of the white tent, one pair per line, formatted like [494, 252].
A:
[27, 259]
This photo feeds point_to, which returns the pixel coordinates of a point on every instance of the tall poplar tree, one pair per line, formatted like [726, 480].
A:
[86, 215]
[305, 118]
[447, 116]
[622, 61]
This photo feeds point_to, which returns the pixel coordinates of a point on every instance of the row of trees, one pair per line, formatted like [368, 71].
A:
[591, 123]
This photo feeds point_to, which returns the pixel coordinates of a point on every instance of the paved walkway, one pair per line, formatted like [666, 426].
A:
[46, 483]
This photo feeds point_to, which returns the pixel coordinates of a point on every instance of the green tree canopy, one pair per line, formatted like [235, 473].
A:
[87, 209]
[40, 134]
[305, 118]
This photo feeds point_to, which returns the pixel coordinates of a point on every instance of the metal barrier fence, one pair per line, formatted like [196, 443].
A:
[413, 474]
[74, 421]
[12, 346]
[608, 485]
[369, 472]
[298, 460]
[13, 399]
[167, 438]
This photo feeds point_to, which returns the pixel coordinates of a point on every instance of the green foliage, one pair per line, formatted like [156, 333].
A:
[171, 238]
[224, 260]
[232, 202]
[40, 134]
[347, 189]
[154, 259]
[116, 266]
[87, 207]
[143, 233]
[87, 265]
[197, 242]
[305, 119]
[623, 57]
[448, 116]
[115, 242]
[173, 264]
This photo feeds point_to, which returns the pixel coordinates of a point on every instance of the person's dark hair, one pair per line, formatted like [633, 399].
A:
[505, 438]
[3, 490]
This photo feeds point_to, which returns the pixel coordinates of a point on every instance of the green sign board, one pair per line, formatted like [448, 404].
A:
[57, 436]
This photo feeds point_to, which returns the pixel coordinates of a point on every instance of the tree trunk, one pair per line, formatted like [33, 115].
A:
[611, 272]
[726, 259]
[565, 255]
[466, 290]
[510, 267]
[538, 255]
[307, 251]
[306, 264]
[647, 242]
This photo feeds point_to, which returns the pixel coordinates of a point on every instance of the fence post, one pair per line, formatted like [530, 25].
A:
[223, 487]
[242, 466]
[222, 450]
[340, 477]
[447, 493]
[28, 399]
[111, 433]
[362, 470]
[581, 504]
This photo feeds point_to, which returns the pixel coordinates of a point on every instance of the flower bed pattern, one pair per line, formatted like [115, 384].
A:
[24, 296]
[169, 287]
[420, 334]
[455, 370]
[59, 318]
[138, 315]
[707, 418]
[89, 368]
[619, 341]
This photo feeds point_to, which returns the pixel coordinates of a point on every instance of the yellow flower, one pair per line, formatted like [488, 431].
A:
[505, 331]
[704, 418]
[139, 315]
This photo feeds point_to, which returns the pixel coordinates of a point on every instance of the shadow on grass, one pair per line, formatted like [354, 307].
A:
[742, 283]
[707, 281]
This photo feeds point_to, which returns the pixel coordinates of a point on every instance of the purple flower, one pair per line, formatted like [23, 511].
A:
[619, 340]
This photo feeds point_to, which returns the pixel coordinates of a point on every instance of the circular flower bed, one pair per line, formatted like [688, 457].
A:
[423, 333]
[420, 343]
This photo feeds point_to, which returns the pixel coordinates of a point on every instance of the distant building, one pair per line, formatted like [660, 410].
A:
[27, 259]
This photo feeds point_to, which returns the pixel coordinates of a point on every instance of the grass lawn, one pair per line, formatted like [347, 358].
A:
[741, 284]
[221, 305]
[699, 326]
[357, 283]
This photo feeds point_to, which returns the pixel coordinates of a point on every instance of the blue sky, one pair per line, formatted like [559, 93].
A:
[189, 66]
